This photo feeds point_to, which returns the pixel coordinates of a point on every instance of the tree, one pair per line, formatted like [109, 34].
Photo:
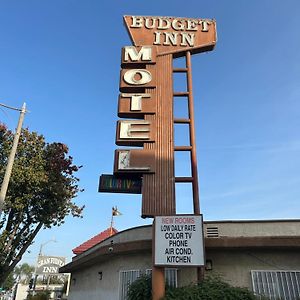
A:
[39, 195]
[24, 272]
[9, 282]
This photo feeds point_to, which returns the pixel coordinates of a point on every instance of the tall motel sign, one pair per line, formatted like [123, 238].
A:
[146, 107]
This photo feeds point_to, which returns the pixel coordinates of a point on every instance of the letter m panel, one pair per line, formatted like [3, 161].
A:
[138, 55]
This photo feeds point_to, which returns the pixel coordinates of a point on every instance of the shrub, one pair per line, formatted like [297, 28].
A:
[211, 288]
[39, 296]
[140, 289]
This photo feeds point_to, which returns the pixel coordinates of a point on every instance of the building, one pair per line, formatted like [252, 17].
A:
[55, 291]
[260, 255]
[95, 240]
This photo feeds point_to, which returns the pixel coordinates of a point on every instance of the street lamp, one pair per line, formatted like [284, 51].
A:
[43, 244]
[37, 261]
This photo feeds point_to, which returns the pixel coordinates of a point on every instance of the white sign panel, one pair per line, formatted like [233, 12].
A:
[179, 241]
[49, 264]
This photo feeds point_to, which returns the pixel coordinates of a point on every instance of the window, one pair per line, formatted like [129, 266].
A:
[170, 276]
[284, 285]
[128, 277]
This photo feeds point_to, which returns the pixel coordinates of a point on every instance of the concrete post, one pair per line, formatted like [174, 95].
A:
[11, 158]
[158, 283]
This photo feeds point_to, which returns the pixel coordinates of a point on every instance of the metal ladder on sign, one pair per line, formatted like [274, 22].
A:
[193, 179]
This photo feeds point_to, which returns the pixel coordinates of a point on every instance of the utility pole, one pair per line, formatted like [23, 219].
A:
[12, 154]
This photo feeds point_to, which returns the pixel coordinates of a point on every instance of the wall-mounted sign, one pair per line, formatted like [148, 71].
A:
[172, 35]
[49, 264]
[132, 78]
[113, 184]
[179, 241]
[136, 105]
[138, 55]
[134, 161]
[135, 132]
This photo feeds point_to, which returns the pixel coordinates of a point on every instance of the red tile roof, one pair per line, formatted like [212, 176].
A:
[95, 240]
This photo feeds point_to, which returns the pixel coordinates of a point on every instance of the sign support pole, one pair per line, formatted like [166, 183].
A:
[158, 273]
[159, 186]
[192, 135]
[196, 202]
[158, 283]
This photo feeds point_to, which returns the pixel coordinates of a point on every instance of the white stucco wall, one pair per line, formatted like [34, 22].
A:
[255, 228]
[234, 265]
[86, 284]
[21, 291]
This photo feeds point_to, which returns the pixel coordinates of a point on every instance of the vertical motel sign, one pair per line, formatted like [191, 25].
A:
[146, 103]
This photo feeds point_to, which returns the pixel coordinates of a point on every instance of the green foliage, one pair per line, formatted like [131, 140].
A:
[39, 296]
[9, 282]
[212, 288]
[140, 289]
[39, 195]
[24, 272]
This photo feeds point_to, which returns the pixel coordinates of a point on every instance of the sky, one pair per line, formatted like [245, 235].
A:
[62, 57]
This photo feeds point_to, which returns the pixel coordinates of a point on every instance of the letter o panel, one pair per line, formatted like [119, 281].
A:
[137, 77]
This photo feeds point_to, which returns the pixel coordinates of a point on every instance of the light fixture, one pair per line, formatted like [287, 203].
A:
[100, 275]
[208, 265]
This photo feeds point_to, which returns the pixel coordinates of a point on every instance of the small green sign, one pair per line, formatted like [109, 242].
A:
[113, 184]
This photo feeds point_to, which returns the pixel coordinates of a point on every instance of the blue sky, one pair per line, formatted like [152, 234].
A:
[63, 59]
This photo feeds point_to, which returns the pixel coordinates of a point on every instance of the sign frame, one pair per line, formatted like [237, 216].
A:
[203, 30]
[42, 263]
[119, 187]
[158, 248]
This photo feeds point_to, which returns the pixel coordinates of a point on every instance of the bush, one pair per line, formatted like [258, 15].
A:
[39, 296]
[211, 288]
[140, 289]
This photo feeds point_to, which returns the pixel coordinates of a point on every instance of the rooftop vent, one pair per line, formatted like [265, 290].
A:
[212, 232]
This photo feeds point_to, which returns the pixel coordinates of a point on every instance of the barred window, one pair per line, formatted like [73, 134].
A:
[170, 276]
[284, 285]
[127, 278]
